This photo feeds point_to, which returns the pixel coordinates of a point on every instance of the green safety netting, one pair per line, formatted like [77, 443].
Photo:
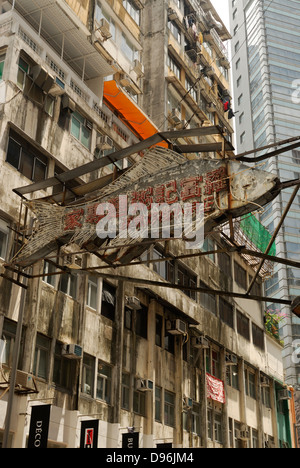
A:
[257, 234]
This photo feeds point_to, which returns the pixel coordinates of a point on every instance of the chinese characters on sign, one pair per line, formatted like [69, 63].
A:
[198, 189]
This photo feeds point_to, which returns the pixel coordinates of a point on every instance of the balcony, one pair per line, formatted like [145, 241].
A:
[56, 23]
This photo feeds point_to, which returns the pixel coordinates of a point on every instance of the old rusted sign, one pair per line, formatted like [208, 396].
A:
[164, 184]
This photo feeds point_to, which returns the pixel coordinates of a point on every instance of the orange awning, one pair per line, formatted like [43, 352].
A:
[132, 115]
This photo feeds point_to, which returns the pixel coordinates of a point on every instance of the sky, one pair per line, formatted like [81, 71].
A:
[222, 8]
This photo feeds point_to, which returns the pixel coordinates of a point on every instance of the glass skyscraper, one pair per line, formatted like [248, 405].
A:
[266, 84]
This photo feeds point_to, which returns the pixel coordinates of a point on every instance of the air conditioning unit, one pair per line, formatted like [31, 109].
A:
[41, 78]
[138, 68]
[187, 402]
[200, 342]
[104, 143]
[104, 29]
[24, 381]
[58, 87]
[284, 394]
[172, 15]
[133, 302]
[74, 262]
[175, 116]
[72, 351]
[144, 385]
[264, 381]
[176, 327]
[68, 103]
[243, 435]
[211, 107]
[125, 80]
[231, 359]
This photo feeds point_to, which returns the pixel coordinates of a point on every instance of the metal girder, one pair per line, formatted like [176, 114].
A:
[119, 155]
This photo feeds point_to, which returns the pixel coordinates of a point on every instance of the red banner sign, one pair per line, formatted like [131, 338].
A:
[215, 388]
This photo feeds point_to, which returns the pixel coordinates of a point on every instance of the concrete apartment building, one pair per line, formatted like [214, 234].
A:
[265, 64]
[81, 80]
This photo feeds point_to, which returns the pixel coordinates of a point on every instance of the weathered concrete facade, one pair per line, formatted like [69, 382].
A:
[121, 346]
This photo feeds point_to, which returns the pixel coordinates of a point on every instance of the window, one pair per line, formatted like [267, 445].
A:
[128, 49]
[2, 61]
[266, 396]
[240, 275]
[41, 356]
[62, 370]
[142, 322]
[4, 234]
[258, 336]
[232, 376]
[68, 284]
[209, 246]
[23, 70]
[218, 428]
[174, 67]
[125, 391]
[225, 264]
[208, 301]
[88, 370]
[243, 325]
[158, 330]
[128, 318]
[139, 402]
[8, 337]
[104, 382]
[92, 292]
[26, 159]
[195, 419]
[132, 9]
[175, 31]
[240, 98]
[108, 301]
[158, 408]
[185, 278]
[81, 129]
[169, 409]
[250, 383]
[99, 14]
[226, 312]
[169, 341]
[48, 269]
[238, 81]
[242, 137]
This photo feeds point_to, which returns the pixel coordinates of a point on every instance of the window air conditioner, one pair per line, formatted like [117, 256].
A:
[231, 360]
[104, 28]
[200, 342]
[211, 107]
[243, 435]
[58, 87]
[176, 327]
[104, 143]
[72, 351]
[187, 402]
[175, 116]
[144, 385]
[172, 15]
[284, 394]
[138, 68]
[41, 78]
[264, 381]
[125, 80]
[133, 302]
[24, 381]
[73, 262]
[68, 103]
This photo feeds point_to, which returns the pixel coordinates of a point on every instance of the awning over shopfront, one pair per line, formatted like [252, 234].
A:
[129, 110]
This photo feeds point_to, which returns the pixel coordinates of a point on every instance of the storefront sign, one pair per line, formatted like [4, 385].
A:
[220, 187]
[130, 440]
[39, 426]
[89, 434]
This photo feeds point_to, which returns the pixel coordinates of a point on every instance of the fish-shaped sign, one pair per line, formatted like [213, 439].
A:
[165, 195]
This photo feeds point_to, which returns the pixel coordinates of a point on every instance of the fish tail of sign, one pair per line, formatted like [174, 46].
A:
[48, 227]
